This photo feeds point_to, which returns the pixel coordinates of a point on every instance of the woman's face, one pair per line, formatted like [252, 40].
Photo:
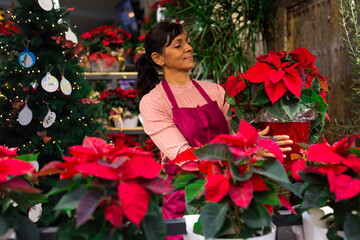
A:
[178, 56]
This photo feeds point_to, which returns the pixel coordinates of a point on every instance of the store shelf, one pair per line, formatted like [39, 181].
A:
[114, 77]
[127, 131]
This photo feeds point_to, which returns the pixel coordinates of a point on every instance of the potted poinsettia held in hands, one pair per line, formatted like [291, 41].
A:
[109, 191]
[284, 91]
[17, 194]
[331, 175]
[233, 185]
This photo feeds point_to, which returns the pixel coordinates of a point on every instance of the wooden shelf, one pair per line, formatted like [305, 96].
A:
[114, 77]
[127, 131]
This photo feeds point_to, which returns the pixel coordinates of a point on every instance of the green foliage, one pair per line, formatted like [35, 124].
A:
[74, 120]
[217, 217]
[349, 20]
[223, 33]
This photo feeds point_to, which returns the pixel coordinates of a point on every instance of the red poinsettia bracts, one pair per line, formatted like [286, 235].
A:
[281, 73]
[242, 152]
[278, 77]
[234, 85]
[11, 168]
[337, 162]
[132, 170]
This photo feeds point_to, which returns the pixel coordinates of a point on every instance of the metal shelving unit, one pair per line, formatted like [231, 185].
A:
[114, 78]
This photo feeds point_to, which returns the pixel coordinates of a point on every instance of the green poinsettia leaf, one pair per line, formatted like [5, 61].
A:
[193, 190]
[20, 199]
[25, 229]
[182, 179]
[315, 196]
[274, 170]
[218, 151]
[291, 105]
[71, 199]
[309, 96]
[87, 205]
[351, 226]
[236, 173]
[315, 85]
[153, 224]
[63, 185]
[260, 99]
[313, 178]
[3, 225]
[316, 128]
[297, 188]
[230, 100]
[355, 151]
[267, 197]
[28, 157]
[212, 218]
[239, 112]
[234, 123]
[256, 216]
[197, 228]
[323, 107]
[275, 110]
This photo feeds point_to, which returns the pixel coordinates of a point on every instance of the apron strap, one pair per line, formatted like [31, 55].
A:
[202, 91]
[171, 97]
[169, 94]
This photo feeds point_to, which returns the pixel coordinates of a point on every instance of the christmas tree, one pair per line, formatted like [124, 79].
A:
[42, 89]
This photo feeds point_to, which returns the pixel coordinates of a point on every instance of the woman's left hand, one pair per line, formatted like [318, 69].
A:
[283, 141]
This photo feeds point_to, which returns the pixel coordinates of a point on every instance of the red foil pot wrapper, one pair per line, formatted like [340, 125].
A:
[297, 131]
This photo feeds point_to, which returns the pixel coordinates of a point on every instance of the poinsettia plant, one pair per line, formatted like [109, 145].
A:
[331, 175]
[106, 38]
[109, 191]
[232, 183]
[127, 99]
[17, 193]
[280, 87]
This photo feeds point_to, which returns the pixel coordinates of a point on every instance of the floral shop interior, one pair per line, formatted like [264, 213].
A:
[179, 119]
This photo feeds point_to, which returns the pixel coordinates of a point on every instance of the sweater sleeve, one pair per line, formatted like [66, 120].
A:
[160, 127]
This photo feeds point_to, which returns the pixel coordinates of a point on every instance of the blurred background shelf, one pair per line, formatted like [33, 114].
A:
[115, 78]
[127, 131]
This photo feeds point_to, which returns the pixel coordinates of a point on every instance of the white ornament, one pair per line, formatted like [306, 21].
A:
[65, 86]
[25, 116]
[49, 83]
[56, 5]
[70, 36]
[49, 119]
[35, 213]
[47, 5]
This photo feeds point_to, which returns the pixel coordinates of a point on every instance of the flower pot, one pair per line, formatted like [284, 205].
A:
[192, 219]
[102, 62]
[298, 132]
[130, 122]
[316, 228]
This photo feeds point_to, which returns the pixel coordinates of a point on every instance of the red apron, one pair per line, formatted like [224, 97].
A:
[199, 124]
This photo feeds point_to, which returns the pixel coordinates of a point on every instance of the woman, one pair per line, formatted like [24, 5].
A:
[178, 112]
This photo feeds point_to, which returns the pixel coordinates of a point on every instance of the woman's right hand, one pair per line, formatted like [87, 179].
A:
[283, 141]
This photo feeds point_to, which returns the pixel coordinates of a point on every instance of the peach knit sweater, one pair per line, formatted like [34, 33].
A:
[156, 111]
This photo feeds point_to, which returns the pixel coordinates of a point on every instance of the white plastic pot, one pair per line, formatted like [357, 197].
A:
[190, 220]
[316, 228]
[130, 122]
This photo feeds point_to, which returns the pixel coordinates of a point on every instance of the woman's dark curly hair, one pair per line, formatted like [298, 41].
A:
[159, 34]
